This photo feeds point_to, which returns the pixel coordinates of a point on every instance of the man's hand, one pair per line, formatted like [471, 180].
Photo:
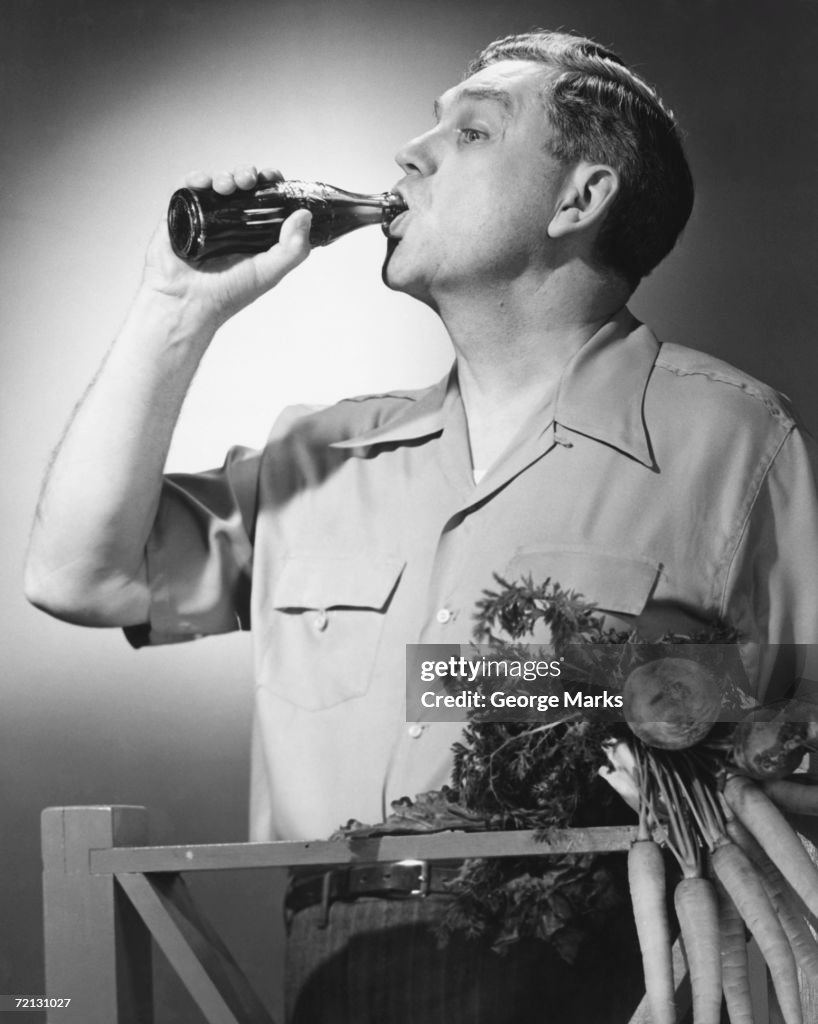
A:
[218, 288]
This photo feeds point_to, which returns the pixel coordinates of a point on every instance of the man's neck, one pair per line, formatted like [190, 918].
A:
[512, 347]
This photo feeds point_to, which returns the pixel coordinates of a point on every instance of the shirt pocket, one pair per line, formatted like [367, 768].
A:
[617, 584]
[328, 613]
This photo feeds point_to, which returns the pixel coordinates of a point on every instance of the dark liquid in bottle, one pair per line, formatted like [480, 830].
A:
[202, 223]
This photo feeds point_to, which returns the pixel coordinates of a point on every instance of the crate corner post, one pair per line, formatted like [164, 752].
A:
[97, 951]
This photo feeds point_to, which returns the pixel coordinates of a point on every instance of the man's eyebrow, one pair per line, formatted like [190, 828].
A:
[479, 92]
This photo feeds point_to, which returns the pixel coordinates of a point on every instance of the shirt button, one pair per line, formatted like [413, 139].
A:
[320, 621]
[443, 615]
[415, 730]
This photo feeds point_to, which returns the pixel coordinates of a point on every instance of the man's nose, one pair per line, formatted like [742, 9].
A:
[418, 156]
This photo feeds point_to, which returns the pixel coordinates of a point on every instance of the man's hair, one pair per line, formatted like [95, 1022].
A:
[602, 112]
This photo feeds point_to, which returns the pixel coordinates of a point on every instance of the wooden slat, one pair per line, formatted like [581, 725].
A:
[194, 950]
[429, 846]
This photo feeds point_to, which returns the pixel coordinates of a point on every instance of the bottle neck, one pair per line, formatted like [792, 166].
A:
[336, 211]
[315, 194]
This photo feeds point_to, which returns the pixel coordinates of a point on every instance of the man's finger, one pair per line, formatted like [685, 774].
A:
[224, 183]
[293, 248]
[245, 176]
[198, 179]
[270, 174]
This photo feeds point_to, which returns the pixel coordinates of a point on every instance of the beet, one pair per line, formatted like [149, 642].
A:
[671, 703]
[770, 743]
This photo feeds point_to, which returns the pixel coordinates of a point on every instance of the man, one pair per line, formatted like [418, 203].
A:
[566, 443]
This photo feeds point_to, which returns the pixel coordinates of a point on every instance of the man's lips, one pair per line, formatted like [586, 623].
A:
[394, 228]
[399, 218]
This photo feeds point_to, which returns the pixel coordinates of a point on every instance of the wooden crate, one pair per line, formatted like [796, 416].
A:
[108, 895]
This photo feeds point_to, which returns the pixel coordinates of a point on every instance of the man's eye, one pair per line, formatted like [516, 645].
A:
[471, 134]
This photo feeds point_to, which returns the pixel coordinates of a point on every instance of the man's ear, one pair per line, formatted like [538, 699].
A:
[586, 197]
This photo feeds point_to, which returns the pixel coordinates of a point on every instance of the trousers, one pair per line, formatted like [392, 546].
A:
[378, 961]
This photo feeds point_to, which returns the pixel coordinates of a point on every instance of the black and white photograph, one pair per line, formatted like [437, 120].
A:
[410, 587]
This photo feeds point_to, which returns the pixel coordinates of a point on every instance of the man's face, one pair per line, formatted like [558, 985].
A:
[481, 189]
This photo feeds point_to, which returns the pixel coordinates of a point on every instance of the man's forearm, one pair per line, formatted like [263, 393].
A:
[86, 559]
[99, 499]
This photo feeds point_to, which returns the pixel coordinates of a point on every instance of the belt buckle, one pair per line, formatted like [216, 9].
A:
[423, 875]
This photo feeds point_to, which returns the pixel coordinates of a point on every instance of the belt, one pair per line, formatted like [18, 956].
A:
[403, 879]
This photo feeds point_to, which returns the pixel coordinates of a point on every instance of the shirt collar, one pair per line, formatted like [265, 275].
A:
[602, 390]
[600, 395]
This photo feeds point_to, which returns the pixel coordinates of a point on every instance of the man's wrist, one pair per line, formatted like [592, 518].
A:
[169, 322]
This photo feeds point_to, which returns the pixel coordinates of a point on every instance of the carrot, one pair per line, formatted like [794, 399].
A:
[735, 967]
[738, 876]
[694, 897]
[698, 914]
[792, 796]
[646, 878]
[763, 820]
[785, 902]
[735, 871]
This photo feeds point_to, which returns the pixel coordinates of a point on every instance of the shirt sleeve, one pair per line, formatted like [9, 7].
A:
[772, 587]
[199, 555]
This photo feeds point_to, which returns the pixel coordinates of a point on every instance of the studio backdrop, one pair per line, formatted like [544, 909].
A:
[106, 108]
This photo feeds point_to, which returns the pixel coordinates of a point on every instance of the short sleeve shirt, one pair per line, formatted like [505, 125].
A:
[662, 484]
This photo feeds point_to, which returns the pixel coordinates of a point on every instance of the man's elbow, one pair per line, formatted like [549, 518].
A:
[60, 601]
[83, 599]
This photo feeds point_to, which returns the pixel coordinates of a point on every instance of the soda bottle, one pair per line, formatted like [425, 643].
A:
[203, 223]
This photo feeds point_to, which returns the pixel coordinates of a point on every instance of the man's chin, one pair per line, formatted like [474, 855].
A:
[400, 279]
[394, 272]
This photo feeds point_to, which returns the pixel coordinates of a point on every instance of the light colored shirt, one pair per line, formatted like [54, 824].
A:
[659, 482]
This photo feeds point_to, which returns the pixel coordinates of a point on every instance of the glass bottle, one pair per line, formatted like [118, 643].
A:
[203, 223]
